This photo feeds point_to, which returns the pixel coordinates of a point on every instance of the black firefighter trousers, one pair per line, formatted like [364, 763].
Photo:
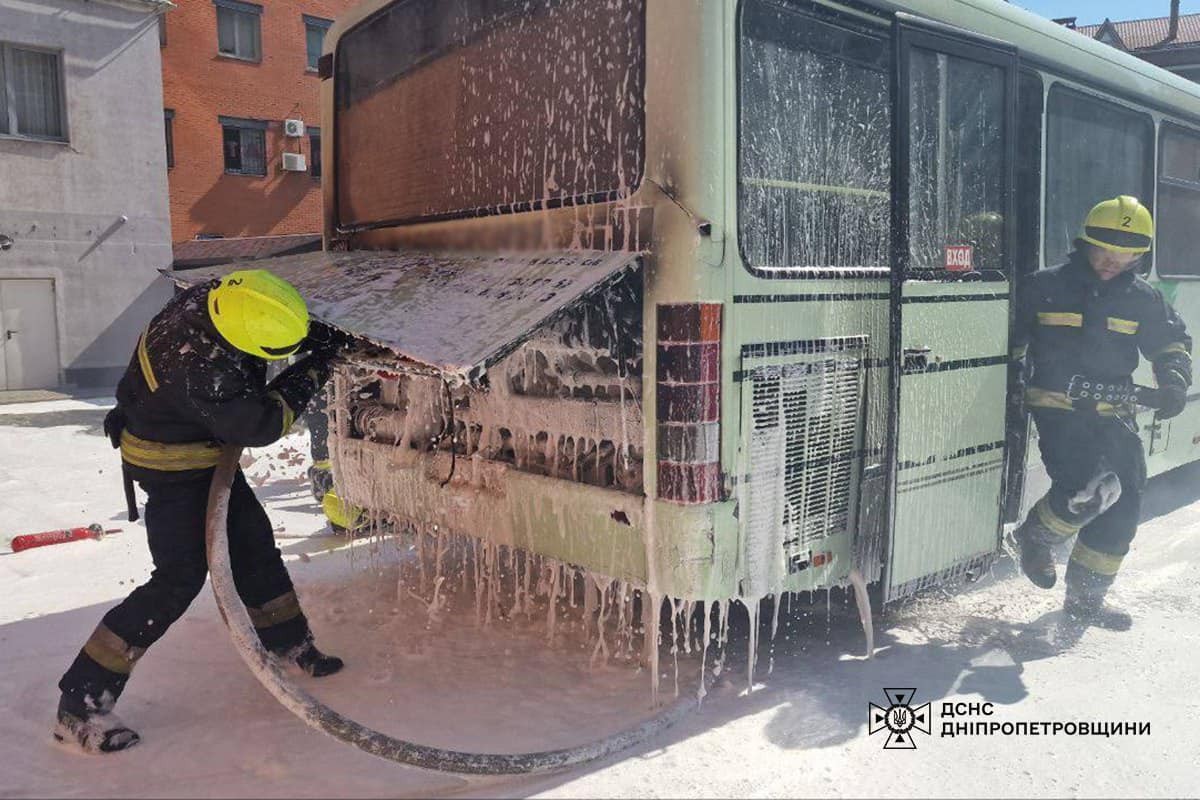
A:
[1076, 447]
[175, 513]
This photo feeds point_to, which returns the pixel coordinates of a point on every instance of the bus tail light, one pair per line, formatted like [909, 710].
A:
[689, 402]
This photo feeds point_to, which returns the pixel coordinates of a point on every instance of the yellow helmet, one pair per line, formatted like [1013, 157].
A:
[340, 513]
[259, 313]
[1122, 225]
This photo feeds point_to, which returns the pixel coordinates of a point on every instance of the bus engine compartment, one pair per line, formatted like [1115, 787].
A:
[566, 404]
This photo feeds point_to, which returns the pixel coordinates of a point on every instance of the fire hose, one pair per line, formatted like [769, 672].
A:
[317, 715]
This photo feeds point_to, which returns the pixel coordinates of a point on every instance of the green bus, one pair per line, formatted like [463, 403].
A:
[713, 297]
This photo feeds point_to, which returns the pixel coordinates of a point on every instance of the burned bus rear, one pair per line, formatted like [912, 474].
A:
[516, 143]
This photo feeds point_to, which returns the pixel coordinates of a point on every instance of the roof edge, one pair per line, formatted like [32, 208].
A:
[1134, 74]
[1163, 17]
[152, 6]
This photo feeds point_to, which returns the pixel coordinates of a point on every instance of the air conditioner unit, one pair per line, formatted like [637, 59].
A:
[293, 127]
[294, 162]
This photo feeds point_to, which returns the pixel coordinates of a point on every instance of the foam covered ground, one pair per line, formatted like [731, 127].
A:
[210, 730]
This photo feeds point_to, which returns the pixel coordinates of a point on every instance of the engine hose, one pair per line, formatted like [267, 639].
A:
[317, 715]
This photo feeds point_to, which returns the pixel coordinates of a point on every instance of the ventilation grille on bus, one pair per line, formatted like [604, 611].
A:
[803, 455]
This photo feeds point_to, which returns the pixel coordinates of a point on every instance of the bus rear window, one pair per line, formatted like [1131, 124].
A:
[455, 108]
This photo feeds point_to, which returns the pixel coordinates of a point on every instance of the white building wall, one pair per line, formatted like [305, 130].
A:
[63, 204]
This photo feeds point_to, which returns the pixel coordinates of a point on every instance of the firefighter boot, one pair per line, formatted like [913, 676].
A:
[320, 479]
[92, 726]
[1037, 560]
[1084, 604]
[313, 661]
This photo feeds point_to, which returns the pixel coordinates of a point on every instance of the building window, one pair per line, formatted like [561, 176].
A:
[239, 33]
[314, 38]
[169, 125]
[1095, 150]
[314, 152]
[245, 146]
[31, 93]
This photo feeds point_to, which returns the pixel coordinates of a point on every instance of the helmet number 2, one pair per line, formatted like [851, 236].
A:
[1126, 221]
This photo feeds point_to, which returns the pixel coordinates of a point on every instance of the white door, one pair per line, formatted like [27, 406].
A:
[28, 334]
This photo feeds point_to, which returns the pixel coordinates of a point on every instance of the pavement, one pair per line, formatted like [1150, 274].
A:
[62, 393]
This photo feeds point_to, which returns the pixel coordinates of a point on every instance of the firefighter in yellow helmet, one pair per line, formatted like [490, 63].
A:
[1079, 332]
[197, 381]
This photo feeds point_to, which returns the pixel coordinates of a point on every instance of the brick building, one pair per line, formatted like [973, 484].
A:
[233, 73]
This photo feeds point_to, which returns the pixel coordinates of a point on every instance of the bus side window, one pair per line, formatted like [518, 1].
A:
[1031, 103]
[1094, 150]
[1178, 216]
[814, 179]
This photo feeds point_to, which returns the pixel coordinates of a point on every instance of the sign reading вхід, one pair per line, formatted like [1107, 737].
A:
[959, 258]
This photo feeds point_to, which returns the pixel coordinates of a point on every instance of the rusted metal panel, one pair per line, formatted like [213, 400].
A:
[457, 314]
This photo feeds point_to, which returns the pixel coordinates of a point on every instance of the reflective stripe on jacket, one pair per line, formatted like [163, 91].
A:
[187, 391]
[1069, 322]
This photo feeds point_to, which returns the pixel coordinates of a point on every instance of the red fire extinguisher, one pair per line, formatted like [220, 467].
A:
[27, 540]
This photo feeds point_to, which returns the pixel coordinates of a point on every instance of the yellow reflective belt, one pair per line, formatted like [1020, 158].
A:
[1056, 524]
[111, 651]
[1122, 325]
[168, 457]
[144, 362]
[1094, 560]
[1063, 319]
[323, 463]
[273, 612]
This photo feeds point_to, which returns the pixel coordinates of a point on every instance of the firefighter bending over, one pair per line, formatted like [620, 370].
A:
[197, 381]
[1083, 324]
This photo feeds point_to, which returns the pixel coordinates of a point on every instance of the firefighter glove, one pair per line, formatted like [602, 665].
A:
[1172, 391]
[1171, 400]
[298, 383]
[327, 341]
[114, 423]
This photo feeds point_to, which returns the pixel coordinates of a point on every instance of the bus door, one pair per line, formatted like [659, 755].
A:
[952, 257]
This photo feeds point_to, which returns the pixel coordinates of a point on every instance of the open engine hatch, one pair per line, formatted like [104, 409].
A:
[456, 314]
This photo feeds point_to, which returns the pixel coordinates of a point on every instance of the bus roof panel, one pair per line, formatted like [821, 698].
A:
[1077, 56]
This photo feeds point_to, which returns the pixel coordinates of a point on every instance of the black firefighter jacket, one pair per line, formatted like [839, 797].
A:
[1069, 322]
[187, 392]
